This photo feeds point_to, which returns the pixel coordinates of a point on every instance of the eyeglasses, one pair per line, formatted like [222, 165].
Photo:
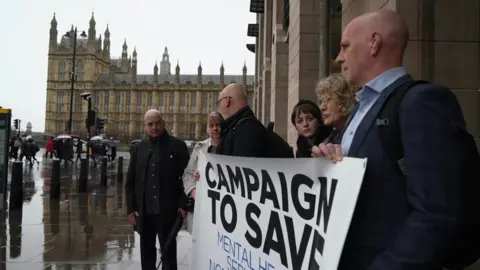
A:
[217, 103]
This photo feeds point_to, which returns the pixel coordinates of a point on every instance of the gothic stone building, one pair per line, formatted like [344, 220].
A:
[122, 96]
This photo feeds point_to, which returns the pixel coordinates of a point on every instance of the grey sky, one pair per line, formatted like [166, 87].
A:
[194, 30]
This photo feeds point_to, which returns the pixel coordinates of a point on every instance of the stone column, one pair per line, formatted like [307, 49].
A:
[198, 116]
[176, 109]
[279, 72]
[304, 44]
[259, 51]
[267, 53]
[133, 116]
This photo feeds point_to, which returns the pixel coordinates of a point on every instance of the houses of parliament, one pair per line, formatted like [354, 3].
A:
[122, 96]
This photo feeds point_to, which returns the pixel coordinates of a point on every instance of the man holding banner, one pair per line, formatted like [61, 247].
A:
[242, 135]
[409, 208]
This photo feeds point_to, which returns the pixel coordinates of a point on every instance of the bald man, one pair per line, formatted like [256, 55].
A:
[154, 189]
[242, 134]
[407, 209]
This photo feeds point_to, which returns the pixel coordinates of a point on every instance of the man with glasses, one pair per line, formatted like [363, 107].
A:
[242, 134]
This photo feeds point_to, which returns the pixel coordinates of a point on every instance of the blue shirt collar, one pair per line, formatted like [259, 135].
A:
[382, 81]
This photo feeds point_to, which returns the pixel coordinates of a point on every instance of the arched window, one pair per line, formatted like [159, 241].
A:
[79, 71]
[62, 70]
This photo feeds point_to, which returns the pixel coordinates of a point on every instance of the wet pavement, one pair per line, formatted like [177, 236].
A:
[79, 231]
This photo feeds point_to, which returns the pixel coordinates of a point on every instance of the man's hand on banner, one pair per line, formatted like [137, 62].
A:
[196, 175]
[182, 212]
[132, 217]
[330, 151]
[193, 193]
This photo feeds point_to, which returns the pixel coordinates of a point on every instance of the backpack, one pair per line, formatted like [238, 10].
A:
[465, 247]
[276, 146]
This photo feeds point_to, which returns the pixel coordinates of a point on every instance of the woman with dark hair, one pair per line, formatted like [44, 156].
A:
[307, 119]
[190, 176]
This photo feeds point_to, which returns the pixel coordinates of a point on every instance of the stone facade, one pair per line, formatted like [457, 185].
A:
[295, 55]
[122, 96]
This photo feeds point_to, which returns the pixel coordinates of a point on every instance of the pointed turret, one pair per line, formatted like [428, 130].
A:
[134, 64]
[222, 75]
[91, 30]
[155, 73]
[199, 73]
[53, 34]
[125, 63]
[106, 45]
[165, 66]
[125, 49]
[177, 73]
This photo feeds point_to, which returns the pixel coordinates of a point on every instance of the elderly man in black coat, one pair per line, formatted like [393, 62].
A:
[154, 190]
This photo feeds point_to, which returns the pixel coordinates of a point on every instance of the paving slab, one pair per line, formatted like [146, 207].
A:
[78, 231]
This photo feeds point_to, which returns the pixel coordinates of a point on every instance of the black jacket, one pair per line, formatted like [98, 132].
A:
[246, 139]
[174, 160]
[304, 149]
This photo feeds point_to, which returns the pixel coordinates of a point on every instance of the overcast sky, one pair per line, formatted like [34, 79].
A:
[210, 31]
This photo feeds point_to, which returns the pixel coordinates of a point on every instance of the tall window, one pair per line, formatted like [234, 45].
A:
[182, 101]
[171, 101]
[79, 70]
[78, 101]
[126, 128]
[96, 98]
[128, 100]
[60, 101]
[118, 102]
[204, 102]
[215, 98]
[62, 69]
[160, 101]
[138, 130]
[204, 134]
[106, 100]
[193, 101]
[191, 131]
[183, 130]
[139, 101]
[149, 99]
[250, 99]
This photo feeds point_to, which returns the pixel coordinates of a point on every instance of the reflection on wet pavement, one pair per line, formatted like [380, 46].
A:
[79, 231]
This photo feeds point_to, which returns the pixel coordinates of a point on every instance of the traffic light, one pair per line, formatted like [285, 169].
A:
[100, 123]
[90, 121]
[16, 124]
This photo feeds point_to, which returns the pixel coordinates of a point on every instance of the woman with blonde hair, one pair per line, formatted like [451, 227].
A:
[190, 176]
[337, 100]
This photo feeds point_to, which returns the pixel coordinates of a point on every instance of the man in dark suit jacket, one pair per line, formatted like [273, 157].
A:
[154, 190]
[400, 221]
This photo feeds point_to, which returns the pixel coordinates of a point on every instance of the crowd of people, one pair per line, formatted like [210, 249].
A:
[27, 147]
[411, 207]
[67, 150]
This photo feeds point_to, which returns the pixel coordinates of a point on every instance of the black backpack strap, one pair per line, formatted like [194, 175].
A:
[389, 127]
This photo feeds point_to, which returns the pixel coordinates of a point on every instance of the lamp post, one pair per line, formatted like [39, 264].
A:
[72, 78]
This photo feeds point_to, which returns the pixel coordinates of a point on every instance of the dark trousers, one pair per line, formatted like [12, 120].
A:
[151, 229]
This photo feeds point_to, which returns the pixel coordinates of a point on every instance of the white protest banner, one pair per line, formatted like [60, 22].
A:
[265, 214]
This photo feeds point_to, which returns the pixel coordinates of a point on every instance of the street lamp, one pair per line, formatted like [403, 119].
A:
[72, 79]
